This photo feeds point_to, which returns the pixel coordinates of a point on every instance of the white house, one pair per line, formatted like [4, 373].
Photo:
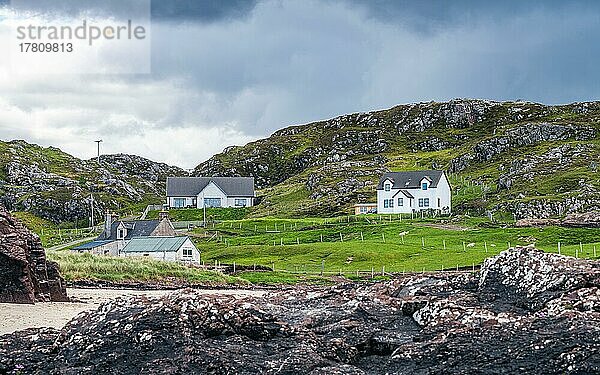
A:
[197, 192]
[170, 249]
[405, 192]
[117, 234]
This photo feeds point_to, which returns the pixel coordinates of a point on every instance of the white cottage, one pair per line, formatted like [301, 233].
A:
[170, 249]
[405, 192]
[118, 233]
[198, 192]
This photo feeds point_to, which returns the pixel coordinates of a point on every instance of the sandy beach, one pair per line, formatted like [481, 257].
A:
[15, 317]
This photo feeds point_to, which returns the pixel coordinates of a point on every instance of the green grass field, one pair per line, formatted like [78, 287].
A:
[51, 234]
[315, 249]
[334, 245]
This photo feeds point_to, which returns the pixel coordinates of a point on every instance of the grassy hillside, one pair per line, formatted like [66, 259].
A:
[520, 158]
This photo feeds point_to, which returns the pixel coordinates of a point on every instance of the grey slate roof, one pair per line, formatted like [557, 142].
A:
[91, 245]
[154, 244]
[411, 179]
[138, 228]
[192, 186]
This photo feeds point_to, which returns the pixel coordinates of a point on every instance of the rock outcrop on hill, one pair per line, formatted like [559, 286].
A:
[516, 153]
[26, 276]
[56, 186]
[575, 220]
[526, 312]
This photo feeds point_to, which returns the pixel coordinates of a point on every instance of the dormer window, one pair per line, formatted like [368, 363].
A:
[120, 234]
[387, 187]
[424, 186]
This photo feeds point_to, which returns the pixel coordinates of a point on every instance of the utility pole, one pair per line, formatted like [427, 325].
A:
[98, 142]
[92, 210]
[203, 210]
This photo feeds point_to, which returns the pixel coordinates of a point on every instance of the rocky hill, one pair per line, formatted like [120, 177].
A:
[57, 186]
[526, 312]
[522, 158]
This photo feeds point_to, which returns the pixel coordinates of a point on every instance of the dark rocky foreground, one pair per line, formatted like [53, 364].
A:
[26, 276]
[525, 312]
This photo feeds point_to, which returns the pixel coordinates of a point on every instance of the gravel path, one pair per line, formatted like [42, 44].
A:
[14, 317]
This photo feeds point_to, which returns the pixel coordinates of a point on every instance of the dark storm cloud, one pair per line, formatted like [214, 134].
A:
[437, 15]
[200, 10]
[161, 10]
[239, 70]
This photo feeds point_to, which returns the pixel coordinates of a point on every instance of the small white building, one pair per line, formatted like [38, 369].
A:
[198, 192]
[117, 234]
[170, 249]
[406, 192]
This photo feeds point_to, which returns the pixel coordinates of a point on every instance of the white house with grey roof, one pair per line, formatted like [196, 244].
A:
[117, 234]
[169, 249]
[198, 192]
[406, 192]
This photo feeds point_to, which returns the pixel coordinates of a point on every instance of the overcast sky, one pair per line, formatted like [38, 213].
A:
[228, 72]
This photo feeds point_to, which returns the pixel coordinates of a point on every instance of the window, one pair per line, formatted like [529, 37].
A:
[187, 253]
[439, 202]
[426, 202]
[420, 202]
[387, 187]
[424, 185]
[212, 202]
[400, 202]
[388, 203]
[121, 234]
[179, 202]
[240, 203]
[363, 210]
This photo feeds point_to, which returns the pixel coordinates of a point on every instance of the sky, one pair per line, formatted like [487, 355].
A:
[226, 73]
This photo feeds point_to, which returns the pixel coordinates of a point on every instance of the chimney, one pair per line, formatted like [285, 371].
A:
[163, 215]
[108, 220]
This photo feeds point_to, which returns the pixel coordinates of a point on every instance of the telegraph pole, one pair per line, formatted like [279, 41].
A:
[98, 142]
[204, 209]
[92, 210]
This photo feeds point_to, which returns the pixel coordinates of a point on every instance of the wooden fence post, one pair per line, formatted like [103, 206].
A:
[382, 270]
[558, 247]
[444, 242]
[361, 236]
[341, 237]
[485, 245]
[422, 242]
[464, 247]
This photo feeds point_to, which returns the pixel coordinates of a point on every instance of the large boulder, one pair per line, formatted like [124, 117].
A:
[26, 276]
[528, 278]
[583, 220]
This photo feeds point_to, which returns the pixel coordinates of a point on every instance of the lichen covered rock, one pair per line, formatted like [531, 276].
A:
[422, 324]
[26, 276]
